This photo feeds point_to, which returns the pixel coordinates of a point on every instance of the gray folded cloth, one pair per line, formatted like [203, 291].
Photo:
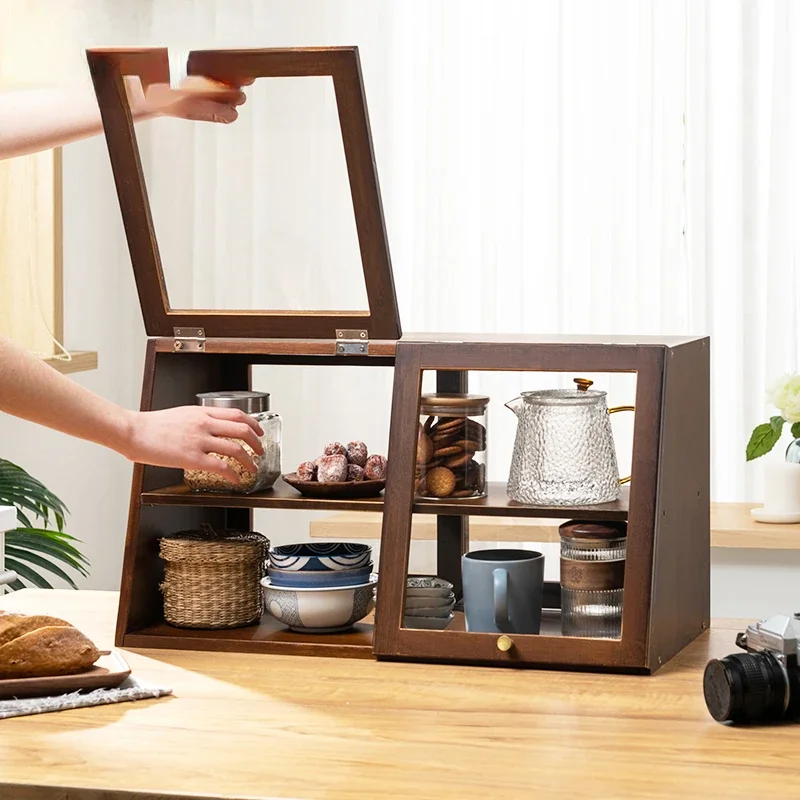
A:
[130, 689]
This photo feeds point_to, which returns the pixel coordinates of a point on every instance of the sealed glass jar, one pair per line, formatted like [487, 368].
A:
[592, 578]
[451, 446]
[268, 465]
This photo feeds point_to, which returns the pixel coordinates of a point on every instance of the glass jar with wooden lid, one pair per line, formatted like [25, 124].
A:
[592, 578]
[451, 446]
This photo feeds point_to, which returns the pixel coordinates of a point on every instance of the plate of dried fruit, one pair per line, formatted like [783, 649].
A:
[341, 473]
[344, 490]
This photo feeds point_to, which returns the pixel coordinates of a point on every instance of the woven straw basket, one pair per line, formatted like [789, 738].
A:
[212, 579]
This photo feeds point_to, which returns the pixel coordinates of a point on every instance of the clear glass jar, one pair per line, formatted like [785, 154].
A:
[592, 578]
[451, 446]
[268, 465]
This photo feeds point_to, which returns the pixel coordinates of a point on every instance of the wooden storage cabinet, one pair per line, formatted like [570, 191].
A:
[198, 350]
[667, 580]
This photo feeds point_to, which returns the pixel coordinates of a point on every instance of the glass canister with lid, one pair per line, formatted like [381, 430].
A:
[268, 465]
[592, 578]
[451, 446]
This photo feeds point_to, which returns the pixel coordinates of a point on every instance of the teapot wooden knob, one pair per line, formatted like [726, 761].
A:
[583, 383]
[504, 643]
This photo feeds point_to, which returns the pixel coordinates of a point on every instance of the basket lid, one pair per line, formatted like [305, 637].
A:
[168, 306]
[209, 545]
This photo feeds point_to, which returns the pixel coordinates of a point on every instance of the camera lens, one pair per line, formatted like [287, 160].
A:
[745, 687]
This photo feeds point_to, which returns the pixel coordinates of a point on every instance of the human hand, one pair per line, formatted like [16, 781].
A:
[184, 438]
[197, 98]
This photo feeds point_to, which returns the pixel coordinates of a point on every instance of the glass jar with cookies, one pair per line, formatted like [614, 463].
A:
[451, 446]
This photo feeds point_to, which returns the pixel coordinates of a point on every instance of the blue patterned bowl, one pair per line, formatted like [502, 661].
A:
[319, 579]
[319, 556]
[330, 610]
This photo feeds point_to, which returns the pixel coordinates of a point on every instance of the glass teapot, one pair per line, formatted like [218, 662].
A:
[564, 451]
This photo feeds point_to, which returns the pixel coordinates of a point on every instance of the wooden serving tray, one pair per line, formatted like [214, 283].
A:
[108, 672]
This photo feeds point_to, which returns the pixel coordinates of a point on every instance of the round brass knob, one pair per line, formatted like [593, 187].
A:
[504, 643]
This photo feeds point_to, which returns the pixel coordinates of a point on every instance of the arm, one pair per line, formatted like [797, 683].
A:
[40, 119]
[176, 437]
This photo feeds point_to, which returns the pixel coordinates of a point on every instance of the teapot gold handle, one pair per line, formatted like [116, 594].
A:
[614, 410]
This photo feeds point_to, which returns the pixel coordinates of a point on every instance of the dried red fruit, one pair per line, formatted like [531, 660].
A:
[307, 471]
[332, 469]
[357, 453]
[376, 468]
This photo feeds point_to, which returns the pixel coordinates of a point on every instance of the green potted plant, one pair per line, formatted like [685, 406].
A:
[784, 394]
[40, 545]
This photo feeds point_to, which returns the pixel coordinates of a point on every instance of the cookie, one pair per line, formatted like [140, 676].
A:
[449, 424]
[461, 459]
[468, 444]
[447, 451]
[440, 482]
[424, 448]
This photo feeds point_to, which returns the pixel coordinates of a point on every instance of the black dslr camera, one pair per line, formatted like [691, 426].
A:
[763, 683]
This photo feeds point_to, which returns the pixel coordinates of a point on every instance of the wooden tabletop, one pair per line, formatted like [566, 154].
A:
[248, 726]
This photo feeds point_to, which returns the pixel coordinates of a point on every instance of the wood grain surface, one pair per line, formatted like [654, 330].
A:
[731, 526]
[244, 726]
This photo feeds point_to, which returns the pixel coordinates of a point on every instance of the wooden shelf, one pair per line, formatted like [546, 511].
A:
[81, 361]
[731, 527]
[495, 504]
[551, 623]
[280, 496]
[267, 637]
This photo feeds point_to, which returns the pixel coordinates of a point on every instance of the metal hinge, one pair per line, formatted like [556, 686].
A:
[189, 340]
[352, 343]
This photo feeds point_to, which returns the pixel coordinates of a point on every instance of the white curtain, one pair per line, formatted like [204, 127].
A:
[586, 166]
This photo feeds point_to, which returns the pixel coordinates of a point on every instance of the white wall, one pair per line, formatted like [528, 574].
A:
[102, 313]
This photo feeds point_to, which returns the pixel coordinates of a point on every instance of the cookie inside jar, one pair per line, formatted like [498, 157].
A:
[451, 446]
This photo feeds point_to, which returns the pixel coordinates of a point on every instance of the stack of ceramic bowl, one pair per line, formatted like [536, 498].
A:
[320, 587]
[429, 603]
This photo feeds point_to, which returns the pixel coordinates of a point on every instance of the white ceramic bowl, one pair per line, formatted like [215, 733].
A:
[319, 610]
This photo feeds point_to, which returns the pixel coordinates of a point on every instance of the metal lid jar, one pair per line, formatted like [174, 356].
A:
[451, 446]
[268, 464]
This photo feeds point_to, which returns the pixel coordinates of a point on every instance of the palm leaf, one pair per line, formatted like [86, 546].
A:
[32, 549]
[40, 561]
[24, 571]
[26, 540]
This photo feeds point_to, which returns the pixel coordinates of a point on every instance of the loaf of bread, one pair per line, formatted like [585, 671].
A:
[35, 646]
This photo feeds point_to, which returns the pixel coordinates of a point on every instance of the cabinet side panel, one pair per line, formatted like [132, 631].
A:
[680, 608]
[170, 380]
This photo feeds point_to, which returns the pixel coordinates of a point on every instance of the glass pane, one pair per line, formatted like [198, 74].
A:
[554, 449]
[257, 215]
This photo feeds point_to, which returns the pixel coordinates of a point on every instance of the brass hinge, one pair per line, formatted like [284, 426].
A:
[352, 343]
[189, 340]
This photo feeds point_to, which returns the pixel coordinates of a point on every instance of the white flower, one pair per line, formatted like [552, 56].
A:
[785, 396]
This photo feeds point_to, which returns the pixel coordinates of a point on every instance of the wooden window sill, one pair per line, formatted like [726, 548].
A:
[731, 526]
[82, 361]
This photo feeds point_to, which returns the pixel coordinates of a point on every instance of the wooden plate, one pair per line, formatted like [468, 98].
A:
[108, 672]
[350, 490]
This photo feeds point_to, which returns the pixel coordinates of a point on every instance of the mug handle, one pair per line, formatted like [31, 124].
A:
[614, 411]
[501, 600]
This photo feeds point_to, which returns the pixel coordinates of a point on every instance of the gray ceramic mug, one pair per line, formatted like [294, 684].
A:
[503, 590]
